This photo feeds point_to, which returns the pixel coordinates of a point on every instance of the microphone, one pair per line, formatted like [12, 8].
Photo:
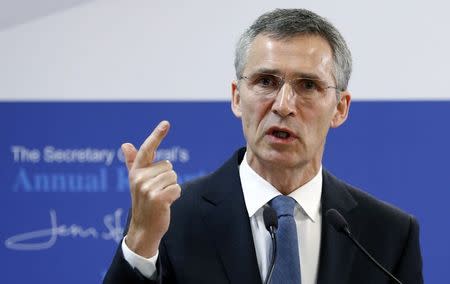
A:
[339, 223]
[271, 222]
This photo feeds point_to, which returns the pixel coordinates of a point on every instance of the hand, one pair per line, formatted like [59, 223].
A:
[153, 189]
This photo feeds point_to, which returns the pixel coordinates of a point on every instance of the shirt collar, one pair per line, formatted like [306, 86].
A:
[258, 192]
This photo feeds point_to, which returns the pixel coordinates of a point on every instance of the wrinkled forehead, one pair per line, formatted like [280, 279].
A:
[293, 56]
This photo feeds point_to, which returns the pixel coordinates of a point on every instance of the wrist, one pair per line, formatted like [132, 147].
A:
[142, 243]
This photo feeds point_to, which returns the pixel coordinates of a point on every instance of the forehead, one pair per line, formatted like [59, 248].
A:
[299, 55]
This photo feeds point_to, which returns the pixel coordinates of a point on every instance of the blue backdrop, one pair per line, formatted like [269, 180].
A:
[64, 192]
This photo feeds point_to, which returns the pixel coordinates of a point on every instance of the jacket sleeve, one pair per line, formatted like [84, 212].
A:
[120, 271]
[409, 268]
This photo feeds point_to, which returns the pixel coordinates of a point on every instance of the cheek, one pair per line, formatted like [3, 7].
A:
[246, 118]
[249, 122]
[253, 114]
[249, 111]
[319, 119]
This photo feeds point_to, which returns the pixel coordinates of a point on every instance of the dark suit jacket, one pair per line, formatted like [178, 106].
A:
[210, 239]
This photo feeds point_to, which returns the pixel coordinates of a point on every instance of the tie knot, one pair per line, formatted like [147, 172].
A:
[283, 205]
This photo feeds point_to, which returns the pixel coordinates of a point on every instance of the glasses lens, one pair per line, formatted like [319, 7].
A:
[268, 84]
[265, 84]
[307, 87]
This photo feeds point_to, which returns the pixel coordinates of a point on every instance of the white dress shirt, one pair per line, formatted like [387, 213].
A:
[308, 218]
[257, 193]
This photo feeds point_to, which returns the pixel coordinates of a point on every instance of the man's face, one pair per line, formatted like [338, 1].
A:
[285, 130]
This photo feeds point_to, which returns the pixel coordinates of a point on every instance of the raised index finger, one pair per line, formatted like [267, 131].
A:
[146, 153]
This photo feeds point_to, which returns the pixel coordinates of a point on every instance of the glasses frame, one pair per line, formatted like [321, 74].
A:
[283, 82]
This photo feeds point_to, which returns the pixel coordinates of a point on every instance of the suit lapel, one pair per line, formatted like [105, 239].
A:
[337, 252]
[224, 213]
[226, 218]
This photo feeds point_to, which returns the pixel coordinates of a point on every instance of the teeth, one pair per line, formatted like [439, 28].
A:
[281, 134]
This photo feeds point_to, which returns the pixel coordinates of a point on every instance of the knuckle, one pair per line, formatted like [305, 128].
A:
[166, 175]
[178, 190]
[174, 175]
[175, 192]
[151, 195]
[156, 196]
[146, 186]
[177, 187]
[168, 165]
[140, 193]
[137, 181]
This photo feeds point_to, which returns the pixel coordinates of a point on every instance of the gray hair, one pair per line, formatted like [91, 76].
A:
[287, 23]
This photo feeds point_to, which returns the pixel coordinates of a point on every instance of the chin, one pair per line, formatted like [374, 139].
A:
[279, 159]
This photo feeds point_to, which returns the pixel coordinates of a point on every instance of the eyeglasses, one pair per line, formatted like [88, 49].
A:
[264, 84]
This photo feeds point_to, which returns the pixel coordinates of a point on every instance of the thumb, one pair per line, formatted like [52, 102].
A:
[130, 152]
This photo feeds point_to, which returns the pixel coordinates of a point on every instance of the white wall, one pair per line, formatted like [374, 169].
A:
[183, 50]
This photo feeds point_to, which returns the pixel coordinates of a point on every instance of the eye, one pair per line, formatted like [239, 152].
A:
[266, 81]
[307, 87]
[307, 84]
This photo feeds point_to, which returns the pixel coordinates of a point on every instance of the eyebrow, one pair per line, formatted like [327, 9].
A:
[308, 76]
[267, 71]
[305, 75]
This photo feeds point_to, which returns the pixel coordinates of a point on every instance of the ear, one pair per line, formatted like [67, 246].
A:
[235, 99]
[342, 108]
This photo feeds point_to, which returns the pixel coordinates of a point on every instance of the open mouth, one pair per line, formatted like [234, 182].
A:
[281, 134]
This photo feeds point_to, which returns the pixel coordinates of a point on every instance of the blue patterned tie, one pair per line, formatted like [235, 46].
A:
[287, 264]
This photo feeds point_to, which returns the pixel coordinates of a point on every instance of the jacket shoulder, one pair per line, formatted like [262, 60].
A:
[379, 209]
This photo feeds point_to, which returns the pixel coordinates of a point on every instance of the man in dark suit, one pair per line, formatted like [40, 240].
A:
[292, 70]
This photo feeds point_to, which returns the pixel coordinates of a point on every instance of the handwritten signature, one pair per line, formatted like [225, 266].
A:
[27, 241]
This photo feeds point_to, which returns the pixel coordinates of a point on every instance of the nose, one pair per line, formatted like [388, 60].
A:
[284, 104]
